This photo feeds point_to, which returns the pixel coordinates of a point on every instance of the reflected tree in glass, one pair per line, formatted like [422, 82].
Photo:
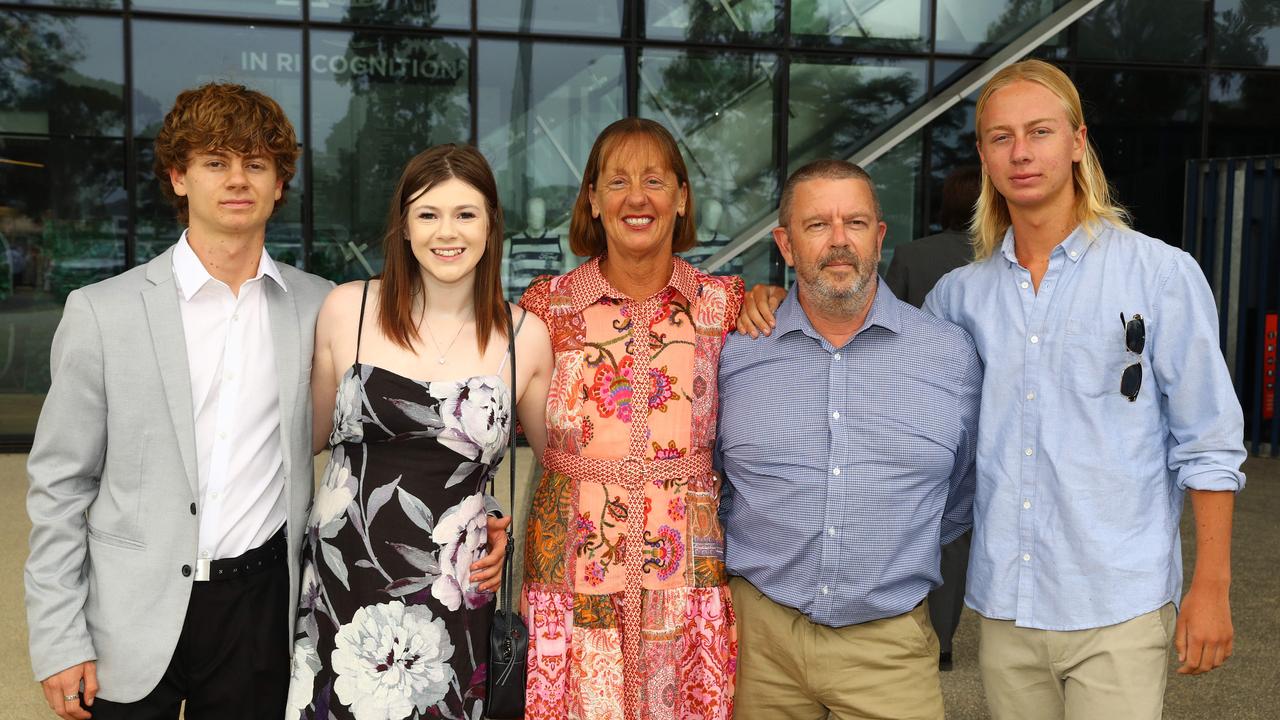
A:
[1154, 30]
[713, 21]
[396, 96]
[1247, 32]
[888, 24]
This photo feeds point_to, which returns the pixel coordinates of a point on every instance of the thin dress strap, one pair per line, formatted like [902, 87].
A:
[360, 326]
[511, 341]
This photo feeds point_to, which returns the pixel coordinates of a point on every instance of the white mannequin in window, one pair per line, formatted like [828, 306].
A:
[533, 252]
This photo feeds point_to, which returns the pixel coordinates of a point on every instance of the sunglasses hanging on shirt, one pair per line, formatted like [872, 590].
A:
[1135, 339]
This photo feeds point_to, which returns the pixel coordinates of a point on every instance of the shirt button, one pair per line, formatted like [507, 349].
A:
[193, 508]
[1073, 253]
[222, 436]
[235, 317]
[1026, 558]
[1031, 396]
[1025, 284]
[186, 571]
[825, 590]
[1035, 339]
[1028, 452]
[1026, 504]
[837, 356]
[835, 415]
[835, 471]
[831, 532]
[214, 496]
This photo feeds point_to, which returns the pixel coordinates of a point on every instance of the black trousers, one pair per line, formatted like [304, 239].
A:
[232, 659]
[947, 600]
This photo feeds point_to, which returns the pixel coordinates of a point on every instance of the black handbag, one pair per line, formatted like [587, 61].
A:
[508, 636]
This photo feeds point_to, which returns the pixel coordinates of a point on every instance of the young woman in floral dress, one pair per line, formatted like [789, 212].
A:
[625, 589]
[411, 393]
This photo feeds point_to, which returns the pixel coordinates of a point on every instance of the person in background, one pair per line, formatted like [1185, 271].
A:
[916, 267]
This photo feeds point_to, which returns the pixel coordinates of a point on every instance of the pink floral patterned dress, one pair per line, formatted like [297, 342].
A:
[629, 609]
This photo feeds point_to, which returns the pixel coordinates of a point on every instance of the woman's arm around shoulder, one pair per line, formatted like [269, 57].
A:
[533, 368]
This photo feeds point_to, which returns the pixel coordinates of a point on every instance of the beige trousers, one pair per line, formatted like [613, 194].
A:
[791, 668]
[1118, 671]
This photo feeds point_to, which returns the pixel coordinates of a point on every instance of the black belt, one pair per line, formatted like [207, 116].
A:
[268, 555]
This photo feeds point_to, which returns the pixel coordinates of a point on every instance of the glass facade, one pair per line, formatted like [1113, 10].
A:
[750, 88]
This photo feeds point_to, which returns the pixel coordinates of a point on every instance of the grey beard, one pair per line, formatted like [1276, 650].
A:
[841, 301]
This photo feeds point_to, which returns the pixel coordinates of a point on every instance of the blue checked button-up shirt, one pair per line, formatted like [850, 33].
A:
[1080, 491]
[846, 468]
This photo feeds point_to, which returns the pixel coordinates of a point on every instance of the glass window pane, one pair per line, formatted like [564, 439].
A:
[399, 95]
[713, 21]
[1246, 32]
[897, 178]
[951, 147]
[412, 13]
[61, 74]
[1244, 114]
[1152, 30]
[1145, 125]
[837, 107]
[539, 109]
[93, 4]
[263, 58]
[601, 18]
[901, 24]
[982, 27]
[63, 215]
[234, 8]
[721, 109]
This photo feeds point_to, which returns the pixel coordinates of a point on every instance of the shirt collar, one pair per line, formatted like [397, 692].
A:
[1073, 246]
[192, 275]
[886, 312]
[590, 284]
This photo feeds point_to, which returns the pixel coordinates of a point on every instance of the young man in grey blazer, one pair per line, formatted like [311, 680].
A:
[171, 470]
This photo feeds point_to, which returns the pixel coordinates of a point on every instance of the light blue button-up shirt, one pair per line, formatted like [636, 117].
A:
[847, 467]
[1080, 491]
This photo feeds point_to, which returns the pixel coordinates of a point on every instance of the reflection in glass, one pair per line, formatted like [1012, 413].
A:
[901, 20]
[62, 226]
[1145, 125]
[837, 108]
[263, 58]
[983, 26]
[951, 146]
[1243, 114]
[713, 21]
[1152, 30]
[720, 108]
[61, 74]
[398, 95]
[1246, 32]
[234, 8]
[410, 13]
[601, 18]
[897, 176]
[539, 109]
[157, 224]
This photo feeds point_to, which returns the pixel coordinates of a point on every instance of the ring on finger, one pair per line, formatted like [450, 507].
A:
[71, 697]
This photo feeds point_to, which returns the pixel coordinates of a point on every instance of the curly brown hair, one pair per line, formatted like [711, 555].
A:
[225, 117]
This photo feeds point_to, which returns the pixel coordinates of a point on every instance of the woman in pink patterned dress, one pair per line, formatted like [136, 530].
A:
[625, 587]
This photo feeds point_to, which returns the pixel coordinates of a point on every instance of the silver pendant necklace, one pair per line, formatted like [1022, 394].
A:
[442, 353]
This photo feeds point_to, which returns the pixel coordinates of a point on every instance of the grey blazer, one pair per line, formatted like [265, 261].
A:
[113, 484]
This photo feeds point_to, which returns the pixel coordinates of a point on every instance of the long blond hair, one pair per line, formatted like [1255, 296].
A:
[1094, 197]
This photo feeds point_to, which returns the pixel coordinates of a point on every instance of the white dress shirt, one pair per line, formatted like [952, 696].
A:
[236, 402]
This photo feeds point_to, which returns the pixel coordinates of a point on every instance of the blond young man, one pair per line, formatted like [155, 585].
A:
[1105, 401]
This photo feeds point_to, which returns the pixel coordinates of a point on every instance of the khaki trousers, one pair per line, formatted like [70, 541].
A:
[1118, 671]
[791, 668]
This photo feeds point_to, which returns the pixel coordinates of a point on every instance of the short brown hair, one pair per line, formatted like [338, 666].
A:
[586, 233]
[959, 194]
[222, 116]
[824, 170]
[401, 277]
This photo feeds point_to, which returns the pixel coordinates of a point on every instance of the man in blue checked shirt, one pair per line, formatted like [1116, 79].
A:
[1105, 399]
[847, 440]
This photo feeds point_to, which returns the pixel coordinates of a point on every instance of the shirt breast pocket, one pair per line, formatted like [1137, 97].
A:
[1093, 359]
